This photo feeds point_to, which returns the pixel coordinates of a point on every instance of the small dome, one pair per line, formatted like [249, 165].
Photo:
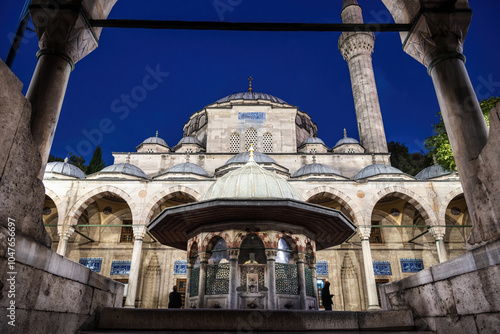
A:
[155, 140]
[315, 169]
[312, 140]
[189, 140]
[124, 168]
[187, 167]
[250, 96]
[377, 169]
[251, 181]
[243, 158]
[432, 172]
[346, 140]
[64, 168]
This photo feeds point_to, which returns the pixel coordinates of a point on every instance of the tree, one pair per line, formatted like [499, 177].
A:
[402, 159]
[52, 158]
[96, 163]
[439, 144]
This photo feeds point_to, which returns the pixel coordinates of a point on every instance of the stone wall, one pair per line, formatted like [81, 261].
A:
[458, 296]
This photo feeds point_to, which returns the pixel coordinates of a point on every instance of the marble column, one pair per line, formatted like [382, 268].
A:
[63, 242]
[436, 41]
[190, 264]
[65, 37]
[312, 266]
[233, 278]
[438, 234]
[203, 278]
[300, 259]
[135, 266]
[271, 278]
[371, 286]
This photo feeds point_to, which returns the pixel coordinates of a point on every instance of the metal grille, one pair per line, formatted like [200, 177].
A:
[217, 279]
[287, 281]
[250, 138]
[267, 143]
[234, 143]
[309, 282]
[194, 282]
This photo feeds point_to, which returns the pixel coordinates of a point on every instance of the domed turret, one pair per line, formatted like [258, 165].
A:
[122, 168]
[316, 169]
[54, 169]
[433, 172]
[186, 168]
[348, 145]
[153, 145]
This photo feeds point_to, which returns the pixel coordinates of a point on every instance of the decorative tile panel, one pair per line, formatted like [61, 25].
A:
[93, 263]
[287, 280]
[382, 268]
[412, 265]
[217, 279]
[252, 115]
[120, 267]
[180, 267]
[321, 268]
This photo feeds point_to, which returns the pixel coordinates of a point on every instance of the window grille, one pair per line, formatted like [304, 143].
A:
[127, 234]
[194, 281]
[267, 143]
[250, 138]
[376, 234]
[287, 281]
[217, 279]
[313, 151]
[309, 282]
[234, 143]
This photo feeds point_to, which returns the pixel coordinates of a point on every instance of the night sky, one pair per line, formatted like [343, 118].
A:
[303, 68]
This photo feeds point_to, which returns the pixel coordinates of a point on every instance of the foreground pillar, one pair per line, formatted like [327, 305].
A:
[63, 243]
[135, 266]
[203, 279]
[436, 41]
[438, 234]
[302, 280]
[65, 37]
[312, 266]
[233, 278]
[271, 278]
[371, 287]
[190, 264]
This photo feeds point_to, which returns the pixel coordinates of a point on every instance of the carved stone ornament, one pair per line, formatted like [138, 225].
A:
[364, 232]
[139, 231]
[438, 232]
[437, 36]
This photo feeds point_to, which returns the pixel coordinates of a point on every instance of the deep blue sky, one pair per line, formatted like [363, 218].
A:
[304, 69]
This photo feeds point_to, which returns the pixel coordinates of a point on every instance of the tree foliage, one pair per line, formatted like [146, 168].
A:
[402, 159]
[439, 143]
[96, 163]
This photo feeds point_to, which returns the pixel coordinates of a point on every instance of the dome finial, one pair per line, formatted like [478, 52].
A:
[128, 158]
[434, 159]
[250, 84]
[156, 133]
[66, 160]
[251, 150]
[373, 159]
[345, 133]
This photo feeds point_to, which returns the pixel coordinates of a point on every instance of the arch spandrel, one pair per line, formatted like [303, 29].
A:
[446, 201]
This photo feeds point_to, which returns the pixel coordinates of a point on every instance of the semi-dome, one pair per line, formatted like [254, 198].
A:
[251, 181]
[245, 156]
[376, 169]
[187, 167]
[250, 96]
[64, 168]
[432, 172]
[189, 140]
[124, 168]
[312, 140]
[315, 168]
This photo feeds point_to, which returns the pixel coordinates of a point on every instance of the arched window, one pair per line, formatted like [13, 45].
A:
[234, 143]
[250, 138]
[284, 254]
[267, 143]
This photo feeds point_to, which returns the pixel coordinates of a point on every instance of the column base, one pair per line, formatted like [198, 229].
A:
[374, 308]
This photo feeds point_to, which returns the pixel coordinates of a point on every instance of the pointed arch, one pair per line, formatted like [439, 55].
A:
[446, 201]
[340, 197]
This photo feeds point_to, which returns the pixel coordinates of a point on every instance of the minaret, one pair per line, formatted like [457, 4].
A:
[357, 49]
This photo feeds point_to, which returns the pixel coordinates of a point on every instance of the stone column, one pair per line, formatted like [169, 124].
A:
[65, 37]
[135, 265]
[233, 278]
[203, 278]
[300, 259]
[271, 278]
[436, 41]
[312, 266]
[371, 287]
[63, 242]
[357, 49]
[190, 264]
[438, 234]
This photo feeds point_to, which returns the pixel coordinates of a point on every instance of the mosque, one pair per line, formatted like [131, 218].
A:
[238, 229]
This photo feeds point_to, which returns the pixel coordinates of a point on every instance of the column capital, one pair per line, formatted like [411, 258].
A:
[437, 36]
[190, 262]
[139, 231]
[438, 232]
[66, 233]
[271, 254]
[300, 257]
[233, 254]
[364, 232]
[63, 27]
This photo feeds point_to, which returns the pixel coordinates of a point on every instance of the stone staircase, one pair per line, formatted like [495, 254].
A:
[122, 320]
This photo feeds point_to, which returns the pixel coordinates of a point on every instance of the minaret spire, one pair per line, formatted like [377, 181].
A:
[250, 84]
[357, 49]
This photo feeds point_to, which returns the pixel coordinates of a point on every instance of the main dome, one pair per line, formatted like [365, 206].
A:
[250, 96]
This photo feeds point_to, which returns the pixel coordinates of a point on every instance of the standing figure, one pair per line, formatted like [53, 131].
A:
[326, 297]
[174, 299]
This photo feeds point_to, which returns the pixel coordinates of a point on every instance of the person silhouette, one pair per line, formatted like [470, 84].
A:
[174, 299]
[326, 297]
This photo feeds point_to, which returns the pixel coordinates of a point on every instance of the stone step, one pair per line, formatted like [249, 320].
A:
[120, 320]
